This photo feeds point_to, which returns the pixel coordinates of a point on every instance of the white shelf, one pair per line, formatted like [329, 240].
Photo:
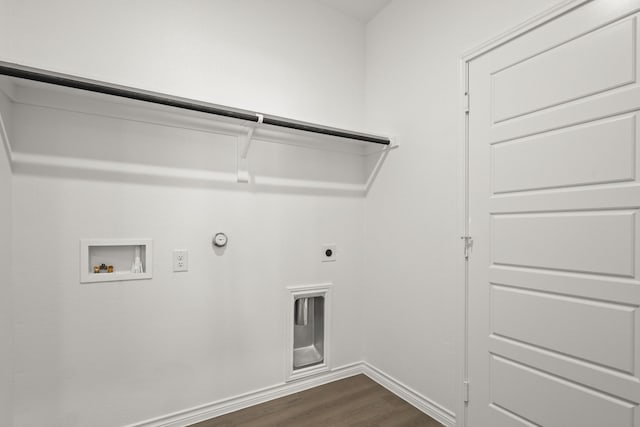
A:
[43, 88]
[119, 253]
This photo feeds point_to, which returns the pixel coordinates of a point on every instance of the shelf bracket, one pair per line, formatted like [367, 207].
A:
[378, 165]
[243, 146]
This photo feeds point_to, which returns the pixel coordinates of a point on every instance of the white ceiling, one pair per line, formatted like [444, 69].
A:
[361, 10]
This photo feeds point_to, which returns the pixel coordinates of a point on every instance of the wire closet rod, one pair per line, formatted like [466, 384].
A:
[43, 76]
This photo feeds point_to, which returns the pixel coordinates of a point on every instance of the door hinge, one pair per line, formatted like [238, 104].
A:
[468, 244]
[466, 391]
[466, 102]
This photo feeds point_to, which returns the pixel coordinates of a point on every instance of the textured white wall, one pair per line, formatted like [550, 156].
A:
[112, 354]
[6, 306]
[85, 352]
[412, 230]
[118, 353]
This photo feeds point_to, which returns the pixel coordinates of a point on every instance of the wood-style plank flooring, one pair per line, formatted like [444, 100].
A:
[355, 401]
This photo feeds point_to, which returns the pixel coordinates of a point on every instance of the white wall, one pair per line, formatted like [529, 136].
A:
[118, 353]
[295, 58]
[6, 306]
[412, 214]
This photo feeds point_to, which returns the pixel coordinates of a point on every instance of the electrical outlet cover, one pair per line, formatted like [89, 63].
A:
[329, 253]
[180, 260]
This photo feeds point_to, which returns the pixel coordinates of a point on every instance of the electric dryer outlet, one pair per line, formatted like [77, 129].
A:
[329, 253]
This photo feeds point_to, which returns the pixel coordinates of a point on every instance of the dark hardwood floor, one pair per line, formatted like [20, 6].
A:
[355, 401]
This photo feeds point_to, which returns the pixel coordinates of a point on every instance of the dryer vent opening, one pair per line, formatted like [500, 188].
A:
[308, 332]
[308, 327]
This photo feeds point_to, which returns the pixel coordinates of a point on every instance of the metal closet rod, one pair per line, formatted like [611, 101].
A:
[27, 73]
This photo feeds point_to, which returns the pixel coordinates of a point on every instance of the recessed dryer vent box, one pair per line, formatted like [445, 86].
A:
[130, 259]
[309, 311]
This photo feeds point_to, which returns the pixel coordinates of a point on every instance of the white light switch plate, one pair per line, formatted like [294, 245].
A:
[180, 260]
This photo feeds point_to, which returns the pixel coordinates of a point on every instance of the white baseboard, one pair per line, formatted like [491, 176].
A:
[434, 410]
[215, 409]
[221, 407]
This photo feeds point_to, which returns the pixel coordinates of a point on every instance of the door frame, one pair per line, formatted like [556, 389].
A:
[463, 185]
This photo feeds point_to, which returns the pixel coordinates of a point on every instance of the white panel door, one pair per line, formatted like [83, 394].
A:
[554, 210]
